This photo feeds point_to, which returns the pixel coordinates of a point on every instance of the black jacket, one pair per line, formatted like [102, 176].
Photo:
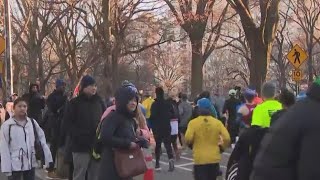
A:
[245, 151]
[290, 149]
[36, 104]
[230, 106]
[117, 132]
[52, 119]
[56, 100]
[81, 118]
[161, 114]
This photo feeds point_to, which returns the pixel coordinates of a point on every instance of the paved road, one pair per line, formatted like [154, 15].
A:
[184, 167]
[3, 177]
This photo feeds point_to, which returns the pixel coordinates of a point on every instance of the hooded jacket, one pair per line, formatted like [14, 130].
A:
[81, 118]
[161, 114]
[36, 103]
[289, 149]
[17, 146]
[117, 132]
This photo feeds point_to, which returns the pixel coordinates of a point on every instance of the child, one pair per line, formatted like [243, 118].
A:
[17, 142]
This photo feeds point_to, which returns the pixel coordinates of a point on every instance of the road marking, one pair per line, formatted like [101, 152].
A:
[186, 164]
[167, 164]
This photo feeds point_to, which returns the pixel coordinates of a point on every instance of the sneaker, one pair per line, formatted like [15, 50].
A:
[171, 165]
[157, 168]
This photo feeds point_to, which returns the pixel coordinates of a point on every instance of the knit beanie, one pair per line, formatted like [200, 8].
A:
[269, 90]
[204, 103]
[87, 81]
[60, 83]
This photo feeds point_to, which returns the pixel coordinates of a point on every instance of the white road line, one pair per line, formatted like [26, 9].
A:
[167, 164]
[182, 157]
[186, 164]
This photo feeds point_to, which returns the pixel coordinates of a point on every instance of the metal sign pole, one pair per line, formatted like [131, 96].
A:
[8, 52]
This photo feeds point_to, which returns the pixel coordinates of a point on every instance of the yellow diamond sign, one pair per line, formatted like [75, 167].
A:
[297, 56]
[2, 44]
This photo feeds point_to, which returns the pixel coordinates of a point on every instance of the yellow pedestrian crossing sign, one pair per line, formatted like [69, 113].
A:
[297, 56]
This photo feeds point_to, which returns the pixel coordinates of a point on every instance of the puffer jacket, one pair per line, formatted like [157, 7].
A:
[290, 149]
[17, 146]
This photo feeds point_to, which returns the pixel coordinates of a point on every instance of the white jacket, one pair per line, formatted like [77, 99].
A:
[19, 155]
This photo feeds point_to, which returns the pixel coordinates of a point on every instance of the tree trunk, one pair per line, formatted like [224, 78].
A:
[196, 68]
[260, 57]
[115, 68]
[310, 59]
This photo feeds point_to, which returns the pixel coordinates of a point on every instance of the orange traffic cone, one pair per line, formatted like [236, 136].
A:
[149, 174]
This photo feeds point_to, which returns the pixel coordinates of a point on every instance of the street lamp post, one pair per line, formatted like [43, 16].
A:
[8, 75]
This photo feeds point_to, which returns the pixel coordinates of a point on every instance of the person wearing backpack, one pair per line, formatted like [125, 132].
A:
[21, 142]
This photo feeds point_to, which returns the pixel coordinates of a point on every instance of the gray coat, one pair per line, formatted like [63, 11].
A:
[185, 110]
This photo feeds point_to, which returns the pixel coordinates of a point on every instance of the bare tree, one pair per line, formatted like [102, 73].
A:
[199, 19]
[32, 23]
[307, 13]
[259, 36]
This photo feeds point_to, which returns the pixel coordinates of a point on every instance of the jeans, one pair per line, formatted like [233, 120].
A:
[206, 172]
[84, 165]
[166, 139]
[25, 175]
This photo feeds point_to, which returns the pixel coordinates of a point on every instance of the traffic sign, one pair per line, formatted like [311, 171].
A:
[297, 56]
[2, 44]
[296, 75]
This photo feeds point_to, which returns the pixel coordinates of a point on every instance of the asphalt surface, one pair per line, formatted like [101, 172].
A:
[184, 167]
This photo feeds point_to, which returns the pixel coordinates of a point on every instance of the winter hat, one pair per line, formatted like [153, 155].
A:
[122, 98]
[60, 83]
[204, 103]
[87, 81]
[128, 84]
[269, 90]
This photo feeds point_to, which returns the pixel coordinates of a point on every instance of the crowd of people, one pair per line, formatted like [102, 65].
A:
[269, 139]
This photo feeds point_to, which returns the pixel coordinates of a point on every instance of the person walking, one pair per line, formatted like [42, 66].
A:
[185, 110]
[81, 118]
[175, 120]
[36, 102]
[18, 137]
[204, 134]
[56, 103]
[230, 111]
[120, 131]
[161, 113]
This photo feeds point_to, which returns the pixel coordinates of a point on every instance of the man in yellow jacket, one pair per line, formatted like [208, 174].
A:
[204, 133]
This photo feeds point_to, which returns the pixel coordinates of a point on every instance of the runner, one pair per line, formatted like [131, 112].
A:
[262, 113]
[244, 115]
[203, 134]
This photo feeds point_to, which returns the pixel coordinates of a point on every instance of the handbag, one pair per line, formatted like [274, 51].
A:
[129, 163]
[37, 144]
